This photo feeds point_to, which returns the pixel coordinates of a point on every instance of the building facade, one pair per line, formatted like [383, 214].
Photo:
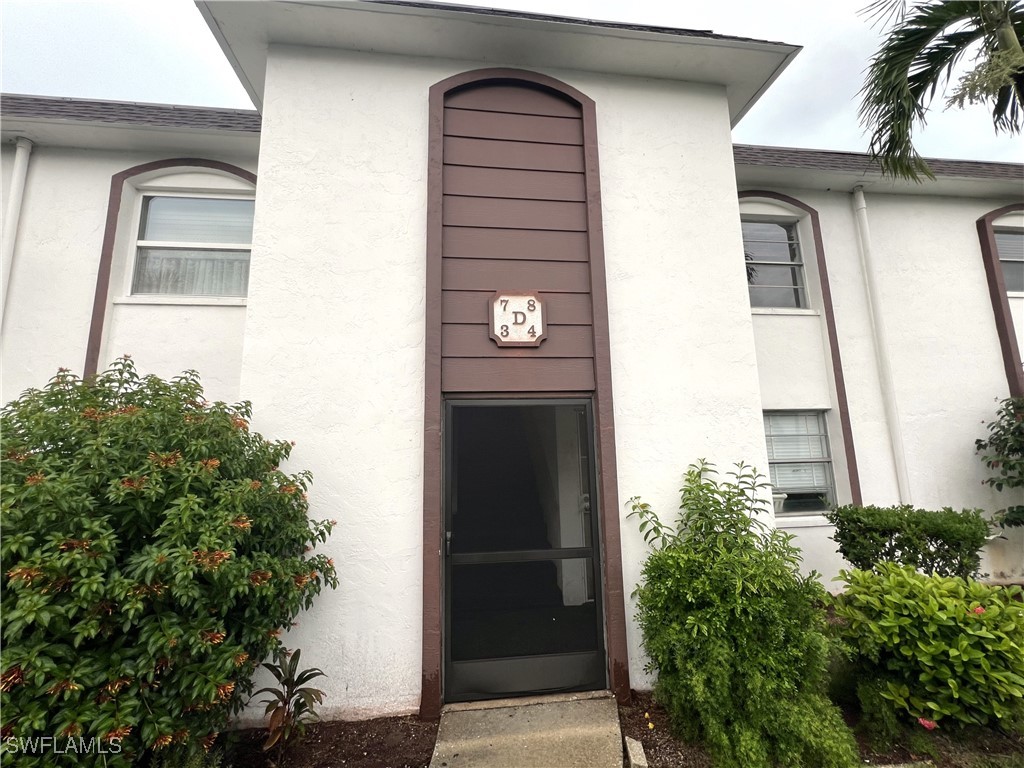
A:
[496, 274]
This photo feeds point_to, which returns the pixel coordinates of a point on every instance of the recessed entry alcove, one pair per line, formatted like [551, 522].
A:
[522, 574]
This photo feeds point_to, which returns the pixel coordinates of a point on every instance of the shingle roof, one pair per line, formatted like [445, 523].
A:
[511, 14]
[14, 105]
[857, 162]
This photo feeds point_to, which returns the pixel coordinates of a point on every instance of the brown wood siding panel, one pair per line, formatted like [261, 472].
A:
[484, 275]
[471, 307]
[515, 127]
[514, 214]
[475, 341]
[517, 375]
[512, 154]
[535, 245]
[512, 98]
[506, 182]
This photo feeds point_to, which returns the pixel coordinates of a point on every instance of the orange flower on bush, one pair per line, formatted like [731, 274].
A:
[210, 464]
[61, 686]
[12, 677]
[118, 733]
[208, 741]
[259, 577]
[23, 573]
[225, 690]
[242, 523]
[35, 479]
[162, 741]
[213, 638]
[165, 459]
[240, 659]
[210, 559]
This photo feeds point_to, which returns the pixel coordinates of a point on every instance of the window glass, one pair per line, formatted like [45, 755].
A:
[799, 461]
[1010, 246]
[193, 246]
[775, 271]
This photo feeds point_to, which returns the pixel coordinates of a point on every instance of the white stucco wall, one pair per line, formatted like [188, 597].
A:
[943, 347]
[336, 298]
[53, 283]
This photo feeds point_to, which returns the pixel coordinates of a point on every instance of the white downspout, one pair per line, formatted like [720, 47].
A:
[12, 217]
[892, 414]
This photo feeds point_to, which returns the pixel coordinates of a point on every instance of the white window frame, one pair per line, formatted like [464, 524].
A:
[172, 182]
[137, 243]
[827, 461]
[1013, 230]
[795, 226]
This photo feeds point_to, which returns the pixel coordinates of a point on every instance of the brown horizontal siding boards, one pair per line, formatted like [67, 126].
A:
[514, 183]
[514, 214]
[463, 340]
[520, 244]
[517, 127]
[471, 306]
[512, 98]
[490, 153]
[517, 374]
[509, 275]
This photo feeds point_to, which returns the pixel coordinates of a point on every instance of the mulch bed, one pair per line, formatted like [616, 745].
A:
[386, 742]
[407, 742]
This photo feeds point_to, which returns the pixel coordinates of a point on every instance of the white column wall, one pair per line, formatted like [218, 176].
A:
[334, 351]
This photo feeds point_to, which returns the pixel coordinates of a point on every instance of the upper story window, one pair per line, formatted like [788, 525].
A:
[1010, 246]
[799, 460]
[193, 246]
[775, 267]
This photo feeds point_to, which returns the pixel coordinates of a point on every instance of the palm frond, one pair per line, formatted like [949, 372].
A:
[914, 60]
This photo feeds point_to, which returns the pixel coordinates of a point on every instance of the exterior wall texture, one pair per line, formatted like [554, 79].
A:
[53, 283]
[943, 349]
[336, 297]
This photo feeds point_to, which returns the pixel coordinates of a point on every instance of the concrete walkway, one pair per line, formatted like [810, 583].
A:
[568, 731]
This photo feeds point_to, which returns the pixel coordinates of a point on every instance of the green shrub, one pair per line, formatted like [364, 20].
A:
[735, 633]
[1003, 452]
[945, 542]
[152, 552]
[936, 648]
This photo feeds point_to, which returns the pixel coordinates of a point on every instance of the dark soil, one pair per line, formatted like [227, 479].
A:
[387, 742]
[663, 750]
[978, 748]
[407, 742]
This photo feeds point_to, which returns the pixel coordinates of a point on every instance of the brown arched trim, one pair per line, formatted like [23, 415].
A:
[1000, 304]
[614, 598]
[842, 402]
[117, 182]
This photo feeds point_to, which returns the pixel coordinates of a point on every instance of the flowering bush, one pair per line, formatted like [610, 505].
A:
[152, 553]
[935, 649]
[735, 632]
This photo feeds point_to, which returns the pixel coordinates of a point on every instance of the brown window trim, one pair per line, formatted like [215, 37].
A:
[117, 182]
[1000, 303]
[842, 403]
[614, 596]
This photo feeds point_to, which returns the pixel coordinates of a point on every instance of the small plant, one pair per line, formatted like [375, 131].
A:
[735, 632]
[292, 705]
[1003, 453]
[945, 542]
[934, 649]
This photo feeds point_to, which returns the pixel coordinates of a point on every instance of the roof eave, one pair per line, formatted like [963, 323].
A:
[745, 68]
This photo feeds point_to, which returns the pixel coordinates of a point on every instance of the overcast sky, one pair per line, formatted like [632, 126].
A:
[162, 51]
